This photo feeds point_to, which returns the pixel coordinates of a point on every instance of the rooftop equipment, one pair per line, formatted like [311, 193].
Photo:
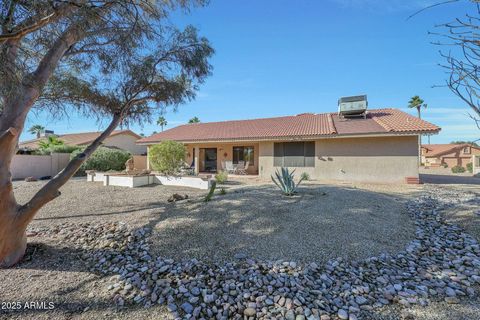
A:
[355, 106]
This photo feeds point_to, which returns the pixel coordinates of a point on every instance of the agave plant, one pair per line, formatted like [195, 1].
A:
[284, 180]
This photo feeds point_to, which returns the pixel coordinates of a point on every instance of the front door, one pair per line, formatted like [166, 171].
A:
[208, 158]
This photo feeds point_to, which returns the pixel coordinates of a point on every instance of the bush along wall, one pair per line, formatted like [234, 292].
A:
[104, 159]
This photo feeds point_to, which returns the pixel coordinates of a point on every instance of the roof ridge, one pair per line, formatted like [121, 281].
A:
[331, 124]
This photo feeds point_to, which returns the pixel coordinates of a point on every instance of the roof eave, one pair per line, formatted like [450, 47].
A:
[300, 138]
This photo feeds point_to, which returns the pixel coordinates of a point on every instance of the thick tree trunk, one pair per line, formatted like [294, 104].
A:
[14, 219]
[13, 239]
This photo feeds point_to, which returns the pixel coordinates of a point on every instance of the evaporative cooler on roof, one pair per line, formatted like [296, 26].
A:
[355, 106]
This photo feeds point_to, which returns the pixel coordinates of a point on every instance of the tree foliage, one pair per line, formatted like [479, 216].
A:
[194, 120]
[104, 159]
[120, 60]
[417, 103]
[162, 122]
[37, 130]
[473, 143]
[167, 157]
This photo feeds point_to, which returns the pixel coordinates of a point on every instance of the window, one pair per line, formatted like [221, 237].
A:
[294, 154]
[466, 150]
[243, 154]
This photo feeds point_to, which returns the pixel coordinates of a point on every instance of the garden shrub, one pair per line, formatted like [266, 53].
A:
[65, 148]
[221, 177]
[305, 176]
[167, 157]
[104, 159]
[458, 169]
[470, 167]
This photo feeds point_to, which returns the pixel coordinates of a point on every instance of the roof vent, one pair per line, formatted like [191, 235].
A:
[355, 106]
[48, 133]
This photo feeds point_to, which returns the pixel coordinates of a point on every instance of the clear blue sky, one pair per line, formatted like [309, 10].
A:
[284, 57]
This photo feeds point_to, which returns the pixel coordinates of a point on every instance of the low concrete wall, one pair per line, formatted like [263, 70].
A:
[24, 165]
[138, 181]
[93, 176]
[128, 181]
[192, 182]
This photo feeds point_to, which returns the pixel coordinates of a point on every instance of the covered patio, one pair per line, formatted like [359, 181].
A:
[235, 158]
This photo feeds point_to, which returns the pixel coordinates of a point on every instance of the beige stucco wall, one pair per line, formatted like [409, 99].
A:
[362, 159]
[125, 142]
[38, 166]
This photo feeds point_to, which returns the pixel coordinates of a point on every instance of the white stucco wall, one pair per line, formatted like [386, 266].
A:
[23, 165]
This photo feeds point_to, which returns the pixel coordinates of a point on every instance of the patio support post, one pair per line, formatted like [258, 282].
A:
[196, 160]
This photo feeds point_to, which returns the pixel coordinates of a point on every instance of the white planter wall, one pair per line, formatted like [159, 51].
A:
[192, 182]
[138, 181]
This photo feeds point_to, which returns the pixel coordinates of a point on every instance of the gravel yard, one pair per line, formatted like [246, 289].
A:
[321, 223]
[104, 252]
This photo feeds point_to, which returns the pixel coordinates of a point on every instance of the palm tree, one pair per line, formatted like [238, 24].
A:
[194, 120]
[162, 122]
[37, 129]
[51, 141]
[418, 103]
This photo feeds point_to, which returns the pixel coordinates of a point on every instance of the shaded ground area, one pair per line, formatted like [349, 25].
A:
[321, 223]
[53, 274]
[83, 201]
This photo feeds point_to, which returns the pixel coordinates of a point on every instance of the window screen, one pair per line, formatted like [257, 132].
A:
[294, 154]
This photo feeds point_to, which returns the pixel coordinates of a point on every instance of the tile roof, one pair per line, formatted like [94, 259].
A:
[75, 139]
[439, 149]
[306, 125]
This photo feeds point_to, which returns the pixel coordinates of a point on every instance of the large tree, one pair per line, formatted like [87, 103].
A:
[106, 59]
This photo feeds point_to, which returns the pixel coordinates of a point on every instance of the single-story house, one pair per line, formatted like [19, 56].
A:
[383, 146]
[121, 139]
[436, 155]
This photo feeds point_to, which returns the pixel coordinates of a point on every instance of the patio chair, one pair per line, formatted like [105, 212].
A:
[243, 169]
[229, 167]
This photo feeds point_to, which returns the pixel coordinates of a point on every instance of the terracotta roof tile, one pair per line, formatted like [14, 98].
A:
[439, 149]
[75, 139]
[305, 125]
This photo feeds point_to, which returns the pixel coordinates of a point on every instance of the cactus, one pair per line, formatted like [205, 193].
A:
[209, 196]
[284, 180]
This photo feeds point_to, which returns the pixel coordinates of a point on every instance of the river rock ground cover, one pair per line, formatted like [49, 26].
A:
[114, 269]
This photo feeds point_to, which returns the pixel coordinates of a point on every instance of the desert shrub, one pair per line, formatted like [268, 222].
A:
[470, 167]
[305, 176]
[167, 157]
[223, 191]
[285, 181]
[104, 159]
[221, 177]
[64, 148]
[458, 169]
[445, 165]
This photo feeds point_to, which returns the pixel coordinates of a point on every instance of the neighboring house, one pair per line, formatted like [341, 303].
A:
[436, 155]
[121, 139]
[383, 147]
